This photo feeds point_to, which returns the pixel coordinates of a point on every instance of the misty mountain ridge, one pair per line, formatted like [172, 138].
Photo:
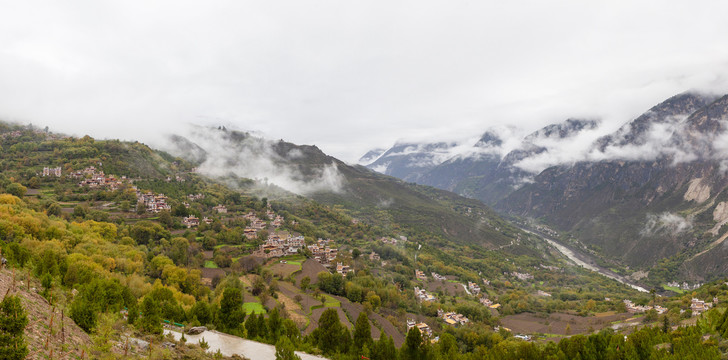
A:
[498, 157]
[280, 169]
[651, 195]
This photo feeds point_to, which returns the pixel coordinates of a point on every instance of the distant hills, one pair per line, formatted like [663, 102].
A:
[651, 195]
[419, 211]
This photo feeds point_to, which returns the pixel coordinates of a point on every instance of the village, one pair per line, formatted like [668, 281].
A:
[264, 233]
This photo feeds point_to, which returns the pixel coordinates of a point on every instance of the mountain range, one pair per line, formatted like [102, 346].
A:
[650, 196]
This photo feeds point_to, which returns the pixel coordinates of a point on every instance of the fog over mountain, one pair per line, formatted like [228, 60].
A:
[349, 77]
[656, 133]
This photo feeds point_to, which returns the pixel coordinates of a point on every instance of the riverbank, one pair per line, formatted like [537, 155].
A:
[585, 261]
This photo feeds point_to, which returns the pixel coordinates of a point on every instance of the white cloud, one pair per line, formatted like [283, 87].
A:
[350, 76]
[667, 223]
[255, 158]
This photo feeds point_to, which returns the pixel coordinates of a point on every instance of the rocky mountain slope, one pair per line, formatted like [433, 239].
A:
[639, 211]
[409, 161]
[650, 195]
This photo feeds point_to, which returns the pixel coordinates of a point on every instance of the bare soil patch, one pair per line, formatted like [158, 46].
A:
[306, 300]
[284, 270]
[310, 268]
[529, 323]
[294, 310]
[449, 288]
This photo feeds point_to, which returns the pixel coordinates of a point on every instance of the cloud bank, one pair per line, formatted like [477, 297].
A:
[243, 155]
[350, 76]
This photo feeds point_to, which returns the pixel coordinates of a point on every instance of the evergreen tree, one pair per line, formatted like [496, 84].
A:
[362, 333]
[12, 326]
[328, 334]
[274, 325]
[231, 309]
[284, 350]
[251, 326]
[411, 348]
[151, 320]
[383, 349]
[83, 313]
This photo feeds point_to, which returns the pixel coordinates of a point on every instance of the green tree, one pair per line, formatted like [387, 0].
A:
[141, 208]
[305, 282]
[383, 349]
[151, 320]
[166, 219]
[284, 350]
[201, 311]
[12, 326]
[411, 348]
[231, 309]
[16, 189]
[274, 325]
[328, 335]
[53, 209]
[34, 182]
[362, 333]
[83, 314]
[79, 211]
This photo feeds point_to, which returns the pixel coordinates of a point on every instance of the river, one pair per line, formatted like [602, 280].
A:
[585, 261]
[232, 345]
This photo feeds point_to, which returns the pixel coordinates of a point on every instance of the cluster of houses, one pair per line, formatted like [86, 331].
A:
[393, 241]
[194, 197]
[154, 203]
[542, 293]
[280, 244]
[49, 171]
[438, 277]
[390, 241]
[699, 306]
[452, 318]
[256, 224]
[425, 329]
[474, 288]
[11, 134]
[94, 178]
[420, 275]
[322, 252]
[275, 220]
[374, 256]
[489, 303]
[221, 209]
[193, 221]
[177, 177]
[684, 285]
[343, 269]
[636, 309]
[423, 295]
[522, 276]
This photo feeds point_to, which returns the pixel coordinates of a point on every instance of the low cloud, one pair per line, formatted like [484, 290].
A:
[246, 156]
[655, 136]
[665, 223]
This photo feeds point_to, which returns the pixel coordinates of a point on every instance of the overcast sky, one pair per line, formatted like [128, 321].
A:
[350, 75]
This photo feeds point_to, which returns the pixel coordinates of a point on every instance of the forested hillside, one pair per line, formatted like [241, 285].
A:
[129, 242]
